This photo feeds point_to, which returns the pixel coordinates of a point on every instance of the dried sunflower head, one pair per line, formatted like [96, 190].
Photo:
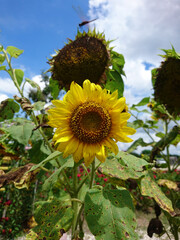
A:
[167, 82]
[87, 57]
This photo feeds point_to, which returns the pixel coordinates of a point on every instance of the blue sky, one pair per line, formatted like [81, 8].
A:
[38, 27]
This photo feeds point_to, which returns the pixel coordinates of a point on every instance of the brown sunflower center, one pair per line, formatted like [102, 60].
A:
[90, 122]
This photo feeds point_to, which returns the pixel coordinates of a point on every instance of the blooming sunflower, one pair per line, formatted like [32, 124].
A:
[88, 120]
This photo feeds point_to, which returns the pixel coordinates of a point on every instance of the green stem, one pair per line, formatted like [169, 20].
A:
[13, 76]
[74, 203]
[167, 148]
[92, 174]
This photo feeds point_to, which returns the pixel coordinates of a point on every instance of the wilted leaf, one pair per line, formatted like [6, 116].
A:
[110, 214]
[25, 103]
[169, 184]
[7, 109]
[19, 177]
[150, 188]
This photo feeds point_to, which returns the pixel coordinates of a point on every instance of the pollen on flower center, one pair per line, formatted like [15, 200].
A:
[90, 122]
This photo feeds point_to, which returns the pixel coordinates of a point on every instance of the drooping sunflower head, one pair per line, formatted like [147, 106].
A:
[167, 82]
[87, 57]
[88, 120]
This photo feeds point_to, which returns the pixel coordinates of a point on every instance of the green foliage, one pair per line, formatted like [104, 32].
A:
[114, 78]
[110, 214]
[54, 88]
[21, 133]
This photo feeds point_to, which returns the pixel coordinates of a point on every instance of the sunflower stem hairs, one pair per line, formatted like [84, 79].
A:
[89, 121]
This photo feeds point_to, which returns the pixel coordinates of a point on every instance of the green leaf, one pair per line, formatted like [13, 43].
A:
[52, 156]
[54, 217]
[160, 134]
[154, 75]
[21, 133]
[1, 48]
[143, 102]
[137, 123]
[19, 76]
[115, 82]
[53, 179]
[39, 151]
[14, 52]
[7, 109]
[38, 106]
[150, 188]
[110, 214]
[54, 88]
[2, 67]
[138, 142]
[2, 58]
[129, 167]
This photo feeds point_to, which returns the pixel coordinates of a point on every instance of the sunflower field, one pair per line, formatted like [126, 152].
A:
[61, 167]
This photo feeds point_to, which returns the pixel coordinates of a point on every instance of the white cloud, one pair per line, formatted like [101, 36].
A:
[7, 86]
[3, 97]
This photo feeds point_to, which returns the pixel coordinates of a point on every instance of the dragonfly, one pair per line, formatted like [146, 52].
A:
[86, 22]
[79, 11]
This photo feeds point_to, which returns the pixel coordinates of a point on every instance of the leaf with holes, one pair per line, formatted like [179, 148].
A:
[123, 166]
[150, 188]
[110, 214]
[53, 218]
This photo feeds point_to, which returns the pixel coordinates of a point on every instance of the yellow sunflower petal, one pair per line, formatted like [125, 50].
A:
[61, 147]
[101, 154]
[71, 147]
[78, 154]
[128, 130]
[122, 138]
[112, 145]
